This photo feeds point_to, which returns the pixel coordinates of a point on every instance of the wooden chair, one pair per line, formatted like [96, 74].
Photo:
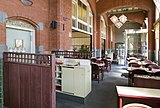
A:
[109, 62]
[133, 64]
[135, 72]
[136, 105]
[131, 58]
[96, 72]
[106, 63]
[93, 60]
[154, 66]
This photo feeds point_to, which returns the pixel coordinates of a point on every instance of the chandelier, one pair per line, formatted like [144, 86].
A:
[118, 22]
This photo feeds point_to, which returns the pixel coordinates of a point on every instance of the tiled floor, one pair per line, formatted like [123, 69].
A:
[104, 94]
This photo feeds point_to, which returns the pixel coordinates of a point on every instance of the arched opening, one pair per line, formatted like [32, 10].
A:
[20, 36]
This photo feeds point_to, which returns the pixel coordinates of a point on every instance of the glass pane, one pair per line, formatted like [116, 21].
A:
[73, 10]
[79, 10]
[73, 23]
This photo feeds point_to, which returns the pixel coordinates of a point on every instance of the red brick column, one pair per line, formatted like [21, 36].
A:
[159, 45]
[98, 36]
[113, 37]
[109, 37]
[94, 35]
[61, 12]
[107, 34]
[151, 35]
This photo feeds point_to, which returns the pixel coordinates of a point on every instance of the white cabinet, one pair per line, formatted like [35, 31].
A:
[82, 82]
[76, 80]
[68, 79]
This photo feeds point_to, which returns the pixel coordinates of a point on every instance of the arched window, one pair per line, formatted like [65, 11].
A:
[82, 18]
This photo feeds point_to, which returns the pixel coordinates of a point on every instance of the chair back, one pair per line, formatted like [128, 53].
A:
[154, 66]
[140, 72]
[133, 64]
[93, 60]
[95, 68]
[105, 61]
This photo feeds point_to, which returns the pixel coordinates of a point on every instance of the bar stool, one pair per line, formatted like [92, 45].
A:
[136, 105]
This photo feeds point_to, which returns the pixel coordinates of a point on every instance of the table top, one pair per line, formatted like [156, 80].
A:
[143, 63]
[138, 92]
[99, 64]
[142, 68]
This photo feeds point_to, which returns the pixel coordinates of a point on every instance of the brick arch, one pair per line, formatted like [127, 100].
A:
[24, 19]
[34, 24]
[92, 4]
[133, 21]
[106, 5]
[136, 17]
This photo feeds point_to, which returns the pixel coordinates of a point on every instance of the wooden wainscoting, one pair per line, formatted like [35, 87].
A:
[29, 80]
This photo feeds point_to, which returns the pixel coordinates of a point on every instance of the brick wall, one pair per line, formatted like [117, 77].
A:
[61, 12]
[36, 13]
[42, 11]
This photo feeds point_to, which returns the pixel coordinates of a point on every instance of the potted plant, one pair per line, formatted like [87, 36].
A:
[84, 48]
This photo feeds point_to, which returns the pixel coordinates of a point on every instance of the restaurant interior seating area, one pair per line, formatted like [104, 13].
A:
[79, 53]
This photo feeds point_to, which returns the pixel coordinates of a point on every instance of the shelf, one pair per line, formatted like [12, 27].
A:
[59, 91]
[58, 85]
[58, 78]
[58, 88]
[58, 71]
[58, 68]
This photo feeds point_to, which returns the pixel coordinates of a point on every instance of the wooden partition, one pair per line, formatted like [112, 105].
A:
[29, 80]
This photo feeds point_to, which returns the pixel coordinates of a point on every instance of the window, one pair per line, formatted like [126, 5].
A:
[73, 9]
[157, 14]
[82, 17]
[82, 26]
[73, 23]
[82, 11]
[90, 19]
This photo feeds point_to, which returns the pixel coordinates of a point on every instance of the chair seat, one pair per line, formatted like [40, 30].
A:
[136, 105]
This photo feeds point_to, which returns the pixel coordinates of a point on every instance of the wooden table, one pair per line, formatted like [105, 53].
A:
[138, 93]
[146, 81]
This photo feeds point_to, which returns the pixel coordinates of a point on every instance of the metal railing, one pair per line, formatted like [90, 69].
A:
[73, 54]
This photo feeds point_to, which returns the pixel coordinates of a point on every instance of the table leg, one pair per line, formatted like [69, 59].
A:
[120, 102]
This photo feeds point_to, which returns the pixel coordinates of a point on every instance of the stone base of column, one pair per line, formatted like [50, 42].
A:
[98, 52]
[2, 49]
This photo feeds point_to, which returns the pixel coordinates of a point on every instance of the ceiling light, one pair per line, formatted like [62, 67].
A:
[118, 21]
[123, 18]
[114, 19]
[118, 24]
